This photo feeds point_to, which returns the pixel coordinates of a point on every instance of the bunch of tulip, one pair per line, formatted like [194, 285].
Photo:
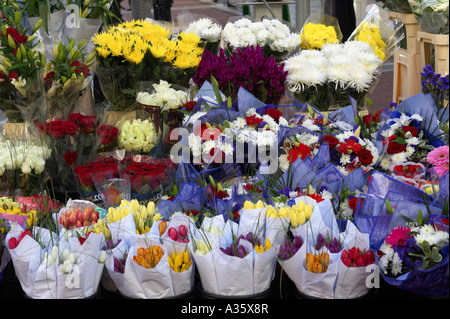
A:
[144, 216]
[180, 262]
[300, 213]
[179, 235]
[354, 257]
[260, 248]
[75, 218]
[249, 205]
[148, 257]
[290, 247]
[317, 263]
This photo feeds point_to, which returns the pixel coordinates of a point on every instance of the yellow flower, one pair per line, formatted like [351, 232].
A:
[182, 61]
[158, 50]
[190, 37]
[261, 248]
[180, 262]
[371, 34]
[315, 35]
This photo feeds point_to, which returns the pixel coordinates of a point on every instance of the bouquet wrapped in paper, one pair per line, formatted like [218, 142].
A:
[230, 264]
[56, 266]
[150, 269]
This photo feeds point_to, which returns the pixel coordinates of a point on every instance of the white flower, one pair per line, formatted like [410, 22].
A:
[413, 141]
[345, 159]
[398, 158]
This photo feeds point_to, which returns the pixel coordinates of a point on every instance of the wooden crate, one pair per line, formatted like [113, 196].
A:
[411, 29]
[406, 75]
[438, 42]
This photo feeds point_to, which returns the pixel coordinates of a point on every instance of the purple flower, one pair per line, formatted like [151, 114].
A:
[119, 264]
[290, 248]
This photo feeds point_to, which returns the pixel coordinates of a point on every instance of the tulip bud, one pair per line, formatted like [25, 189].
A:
[183, 230]
[173, 234]
[162, 227]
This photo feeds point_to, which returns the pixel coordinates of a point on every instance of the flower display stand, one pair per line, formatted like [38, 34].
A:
[406, 75]
[407, 61]
[439, 42]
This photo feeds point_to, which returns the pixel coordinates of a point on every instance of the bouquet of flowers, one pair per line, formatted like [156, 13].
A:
[272, 35]
[138, 135]
[50, 265]
[126, 50]
[319, 30]
[404, 141]
[432, 16]
[350, 152]
[21, 68]
[66, 76]
[327, 78]
[247, 68]
[414, 255]
[151, 269]
[22, 164]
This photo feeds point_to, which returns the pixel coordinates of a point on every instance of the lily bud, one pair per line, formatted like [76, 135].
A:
[11, 42]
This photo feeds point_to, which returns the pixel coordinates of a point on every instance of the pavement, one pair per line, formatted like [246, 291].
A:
[381, 93]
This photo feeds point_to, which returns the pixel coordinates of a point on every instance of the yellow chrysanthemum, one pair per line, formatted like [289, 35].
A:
[104, 53]
[315, 35]
[183, 61]
[371, 34]
[190, 37]
[158, 50]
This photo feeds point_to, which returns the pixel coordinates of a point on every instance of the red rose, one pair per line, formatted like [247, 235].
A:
[274, 113]
[48, 79]
[331, 140]
[15, 35]
[60, 128]
[394, 148]
[410, 129]
[365, 156]
[80, 68]
[189, 106]
[70, 158]
[367, 119]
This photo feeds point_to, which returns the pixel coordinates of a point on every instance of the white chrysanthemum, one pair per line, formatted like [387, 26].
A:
[360, 79]
[387, 249]
[413, 141]
[345, 159]
[238, 123]
[398, 158]
[283, 121]
[283, 162]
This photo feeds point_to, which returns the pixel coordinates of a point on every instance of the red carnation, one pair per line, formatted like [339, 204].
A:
[108, 134]
[253, 120]
[274, 113]
[189, 106]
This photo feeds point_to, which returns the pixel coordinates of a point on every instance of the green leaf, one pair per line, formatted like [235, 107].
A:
[215, 86]
[400, 140]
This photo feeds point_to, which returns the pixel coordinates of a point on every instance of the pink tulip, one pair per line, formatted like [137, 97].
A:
[173, 234]
[183, 230]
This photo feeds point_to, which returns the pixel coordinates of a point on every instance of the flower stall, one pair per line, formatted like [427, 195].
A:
[236, 161]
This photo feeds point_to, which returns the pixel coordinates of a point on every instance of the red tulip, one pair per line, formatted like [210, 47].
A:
[173, 234]
[183, 230]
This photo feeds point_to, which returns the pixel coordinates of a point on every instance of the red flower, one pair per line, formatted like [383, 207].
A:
[48, 79]
[365, 156]
[274, 113]
[253, 120]
[367, 119]
[353, 202]
[218, 194]
[349, 146]
[14, 242]
[108, 134]
[301, 151]
[331, 140]
[86, 123]
[410, 129]
[70, 158]
[83, 239]
[353, 257]
[80, 68]
[60, 128]
[394, 147]
[398, 236]
[318, 198]
[15, 35]
[189, 106]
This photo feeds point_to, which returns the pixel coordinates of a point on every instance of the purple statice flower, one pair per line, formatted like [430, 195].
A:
[290, 247]
[435, 84]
